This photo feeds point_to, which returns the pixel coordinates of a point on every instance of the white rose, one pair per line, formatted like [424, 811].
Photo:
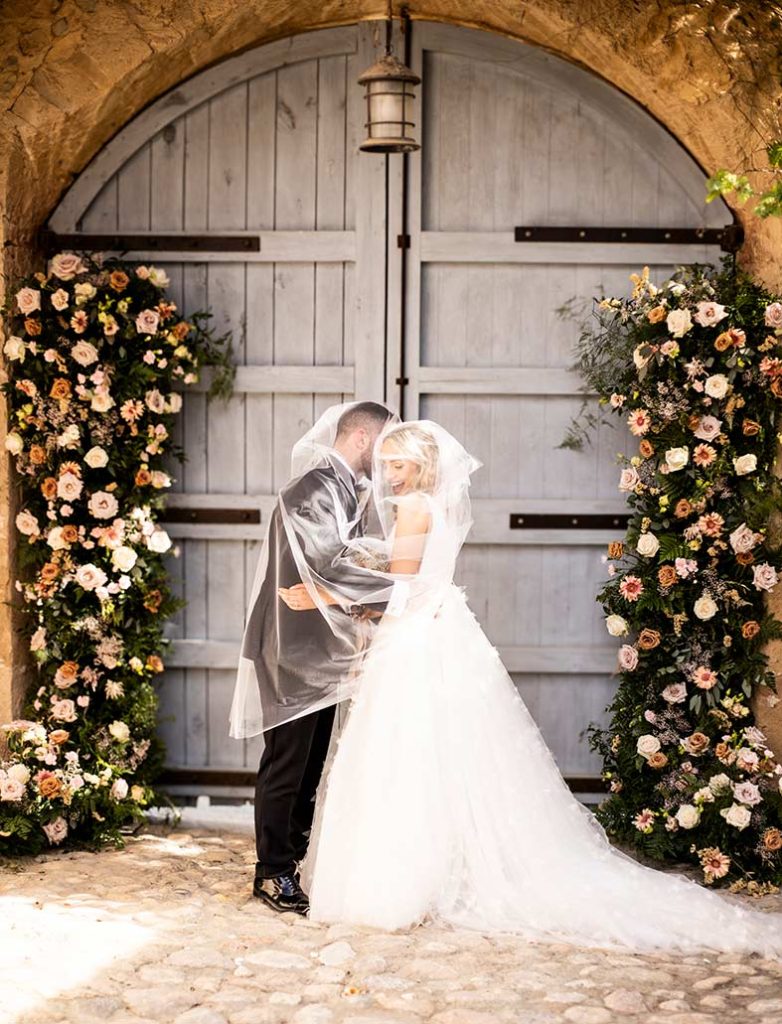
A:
[647, 744]
[96, 457]
[84, 353]
[745, 464]
[64, 710]
[123, 558]
[708, 428]
[160, 479]
[648, 545]
[710, 313]
[119, 789]
[677, 458]
[54, 539]
[158, 277]
[90, 576]
[616, 625]
[737, 815]
[716, 386]
[84, 291]
[20, 772]
[101, 401]
[688, 816]
[14, 443]
[679, 322]
[704, 794]
[70, 437]
[27, 524]
[103, 505]
[159, 541]
[719, 784]
[705, 607]
[746, 793]
[14, 348]
[743, 539]
[120, 731]
[174, 402]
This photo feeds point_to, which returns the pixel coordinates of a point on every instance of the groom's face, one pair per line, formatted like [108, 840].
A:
[366, 444]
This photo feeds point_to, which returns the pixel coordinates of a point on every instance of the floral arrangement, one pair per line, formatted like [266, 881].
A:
[694, 367]
[93, 351]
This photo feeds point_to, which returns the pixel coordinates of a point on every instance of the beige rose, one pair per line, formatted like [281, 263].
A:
[66, 265]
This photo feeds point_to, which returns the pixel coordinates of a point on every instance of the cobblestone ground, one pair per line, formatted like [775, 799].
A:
[166, 931]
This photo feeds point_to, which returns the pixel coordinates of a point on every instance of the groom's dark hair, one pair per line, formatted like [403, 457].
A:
[365, 414]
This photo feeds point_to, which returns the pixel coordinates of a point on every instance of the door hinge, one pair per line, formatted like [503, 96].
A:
[403, 241]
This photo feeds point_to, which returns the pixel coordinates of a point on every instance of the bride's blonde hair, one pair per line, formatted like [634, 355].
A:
[419, 446]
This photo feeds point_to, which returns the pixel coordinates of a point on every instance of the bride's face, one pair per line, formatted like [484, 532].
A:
[399, 472]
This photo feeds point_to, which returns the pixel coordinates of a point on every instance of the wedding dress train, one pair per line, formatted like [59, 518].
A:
[443, 802]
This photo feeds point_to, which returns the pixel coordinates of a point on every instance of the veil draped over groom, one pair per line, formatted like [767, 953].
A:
[291, 663]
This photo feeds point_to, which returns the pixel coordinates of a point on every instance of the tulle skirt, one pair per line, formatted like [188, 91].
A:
[442, 802]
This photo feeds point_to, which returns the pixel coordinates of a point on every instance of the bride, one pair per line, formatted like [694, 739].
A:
[442, 801]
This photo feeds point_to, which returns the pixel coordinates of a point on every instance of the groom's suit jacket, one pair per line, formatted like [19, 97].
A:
[297, 655]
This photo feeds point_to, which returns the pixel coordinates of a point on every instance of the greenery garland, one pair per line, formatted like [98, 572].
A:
[93, 352]
[694, 367]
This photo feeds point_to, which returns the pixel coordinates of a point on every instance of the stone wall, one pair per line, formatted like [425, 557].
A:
[73, 73]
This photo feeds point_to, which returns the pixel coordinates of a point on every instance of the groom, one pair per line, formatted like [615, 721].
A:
[294, 752]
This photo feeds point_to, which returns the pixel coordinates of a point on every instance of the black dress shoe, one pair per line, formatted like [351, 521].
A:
[282, 893]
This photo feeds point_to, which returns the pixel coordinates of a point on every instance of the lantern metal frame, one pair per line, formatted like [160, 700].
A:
[387, 70]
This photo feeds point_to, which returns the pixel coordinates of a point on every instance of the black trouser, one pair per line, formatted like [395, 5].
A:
[288, 776]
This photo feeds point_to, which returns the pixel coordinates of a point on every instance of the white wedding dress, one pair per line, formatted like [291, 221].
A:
[442, 802]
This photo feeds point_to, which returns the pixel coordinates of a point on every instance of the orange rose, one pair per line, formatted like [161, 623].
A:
[61, 388]
[667, 575]
[616, 549]
[152, 600]
[749, 428]
[59, 736]
[682, 509]
[37, 455]
[32, 326]
[49, 487]
[646, 448]
[181, 330]
[694, 421]
[50, 786]
[70, 534]
[656, 315]
[648, 639]
[143, 477]
[66, 674]
[750, 629]
[722, 750]
[118, 280]
[745, 558]
[776, 387]
[155, 663]
[723, 341]
[48, 572]
[697, 743]
[657, 760]
[772, 839]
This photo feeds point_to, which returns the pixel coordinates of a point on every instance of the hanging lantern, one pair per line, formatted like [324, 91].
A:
[390, 97]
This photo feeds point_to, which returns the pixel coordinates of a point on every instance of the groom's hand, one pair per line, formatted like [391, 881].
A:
[297, 598]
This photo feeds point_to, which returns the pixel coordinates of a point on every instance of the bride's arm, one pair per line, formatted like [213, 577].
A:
[412, 525]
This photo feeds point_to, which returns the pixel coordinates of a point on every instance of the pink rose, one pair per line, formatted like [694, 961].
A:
[66, 265]
[773, 316]
[628, 657]
[743, 539]
[709, 314]
[629, 479]
[28, 300]
[764, 576]
[708, 428]
[60, 299]
[147, 321]
[64, 710]
[56, 830]
[675, 693]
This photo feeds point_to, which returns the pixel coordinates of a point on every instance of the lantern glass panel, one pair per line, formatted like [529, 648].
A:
[386, 109]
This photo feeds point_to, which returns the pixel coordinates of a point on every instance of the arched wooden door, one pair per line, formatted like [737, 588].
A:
[328, 303]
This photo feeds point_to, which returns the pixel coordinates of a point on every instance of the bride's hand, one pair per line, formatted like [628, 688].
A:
[299, 599]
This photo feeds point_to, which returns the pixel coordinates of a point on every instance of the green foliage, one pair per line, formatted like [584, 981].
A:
[695, 369]
[94, 353]
[768, 203]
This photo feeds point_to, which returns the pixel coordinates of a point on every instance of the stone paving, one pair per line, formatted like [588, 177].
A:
[166, 931]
